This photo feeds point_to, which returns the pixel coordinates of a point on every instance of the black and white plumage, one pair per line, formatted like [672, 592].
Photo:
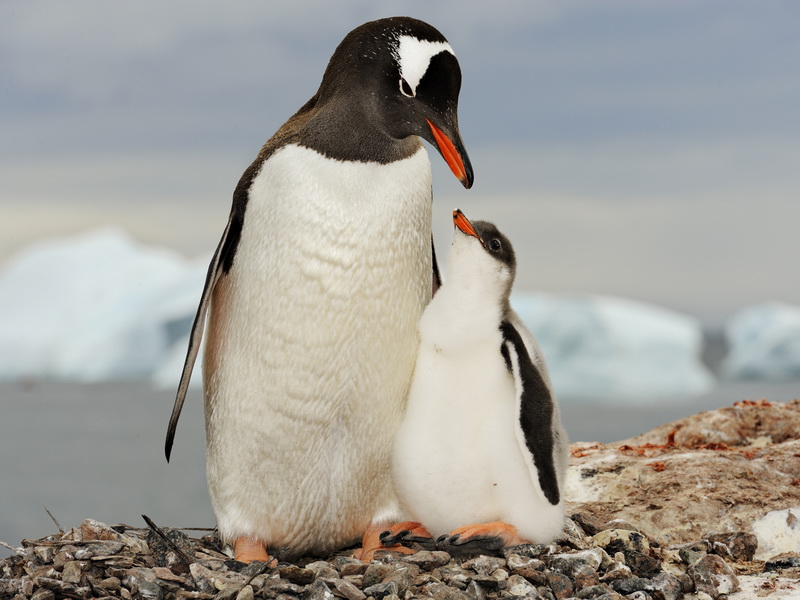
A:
[481, 441]
[313, 295]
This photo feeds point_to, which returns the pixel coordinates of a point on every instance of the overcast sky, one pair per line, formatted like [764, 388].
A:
[642, 149]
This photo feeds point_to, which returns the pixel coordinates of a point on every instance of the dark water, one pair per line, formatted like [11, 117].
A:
[98, 450]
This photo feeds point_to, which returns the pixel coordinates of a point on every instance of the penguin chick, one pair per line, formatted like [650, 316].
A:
[481, 454]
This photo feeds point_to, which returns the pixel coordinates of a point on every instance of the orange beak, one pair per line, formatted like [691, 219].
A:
[452, 156]
[463, 224]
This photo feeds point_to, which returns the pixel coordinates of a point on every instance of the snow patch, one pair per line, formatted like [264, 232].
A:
[777, 532]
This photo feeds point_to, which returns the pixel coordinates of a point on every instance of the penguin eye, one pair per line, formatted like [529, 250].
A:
[495, 245]
[405, 89]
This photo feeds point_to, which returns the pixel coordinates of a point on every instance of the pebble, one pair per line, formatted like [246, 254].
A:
[620, 540]
[713, 576]
[614, 563]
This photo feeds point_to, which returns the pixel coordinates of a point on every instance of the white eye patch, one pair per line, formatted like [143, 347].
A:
[414, 55]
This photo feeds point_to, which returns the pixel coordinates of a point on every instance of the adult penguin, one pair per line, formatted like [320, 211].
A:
[313, 297]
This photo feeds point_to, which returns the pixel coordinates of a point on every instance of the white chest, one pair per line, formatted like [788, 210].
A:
[317, 225]
[329, 279]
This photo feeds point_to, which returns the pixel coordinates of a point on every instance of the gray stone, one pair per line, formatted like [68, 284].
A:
[630, 585]
[573, 535]
[665, 587]
[529, 550]
[519, 586]
[620, 540]
[339, 562]
[617, 570]
[382, 590]
[642, 564]
[475, 591]
[73, 571]
[246, 593]
[43, 594]
[404, 575]
[44, 554]
[348, 590]
[484, 565]
[621, 524]
[742, 545]
[585, 576]
[569, 563]
[110, 583]
[427, 559]
[297, 574]
[712, 575]
[150, 590]
[787, 560]
[355, 568]
[545, 593]
[375, 573]
[692, 552]
[455, 575]
[560, 585]
[322, 569]
[317, 591]
[441, 591]
[593, 591]
[275, 587]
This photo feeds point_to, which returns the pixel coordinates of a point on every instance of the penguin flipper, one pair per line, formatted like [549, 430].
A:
[196, 335]
[536, 410]
[437, 277]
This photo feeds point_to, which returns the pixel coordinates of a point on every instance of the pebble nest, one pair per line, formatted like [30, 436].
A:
[603, 561]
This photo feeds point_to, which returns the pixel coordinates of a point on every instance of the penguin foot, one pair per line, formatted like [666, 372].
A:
[415, 536]
[385, 537]
[247, 550]
[483, 538]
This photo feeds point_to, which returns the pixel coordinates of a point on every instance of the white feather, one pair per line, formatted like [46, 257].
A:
[311, 344]
[459, 455]
[414, 55]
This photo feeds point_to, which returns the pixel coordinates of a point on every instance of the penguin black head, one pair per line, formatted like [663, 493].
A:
[388, 81]
[482, 253]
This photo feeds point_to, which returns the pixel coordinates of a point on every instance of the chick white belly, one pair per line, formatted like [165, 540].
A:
[312, 341]
[457, 461]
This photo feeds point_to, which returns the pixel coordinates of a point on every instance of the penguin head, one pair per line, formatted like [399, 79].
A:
[483, 256]
[406, 78]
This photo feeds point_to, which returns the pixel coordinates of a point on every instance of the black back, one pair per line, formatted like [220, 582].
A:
[535, 411]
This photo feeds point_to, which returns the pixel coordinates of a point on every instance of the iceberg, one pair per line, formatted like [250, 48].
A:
[101, 306]
[91, 307]
[764, 343]
[599, 347]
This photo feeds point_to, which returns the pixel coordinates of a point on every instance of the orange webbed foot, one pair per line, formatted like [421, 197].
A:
[483, 537]
[247, 550]
[374, 537]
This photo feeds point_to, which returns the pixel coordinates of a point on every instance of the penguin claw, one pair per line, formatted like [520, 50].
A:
[459, 546]
[483, 538]
[389, 539]
[378, 538]
[405, 538]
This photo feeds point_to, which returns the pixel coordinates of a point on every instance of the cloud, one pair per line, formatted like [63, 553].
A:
[650, 147]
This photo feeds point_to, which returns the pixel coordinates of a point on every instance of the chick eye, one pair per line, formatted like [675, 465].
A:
[495, 245]
[405, 89]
